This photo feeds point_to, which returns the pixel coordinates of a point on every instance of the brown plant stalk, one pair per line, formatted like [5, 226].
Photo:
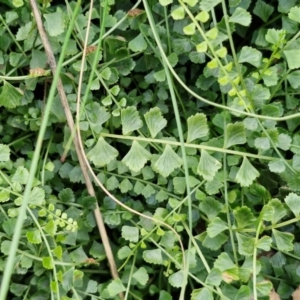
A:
[70, 122]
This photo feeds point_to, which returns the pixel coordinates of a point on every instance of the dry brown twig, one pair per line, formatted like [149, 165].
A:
[70, 122]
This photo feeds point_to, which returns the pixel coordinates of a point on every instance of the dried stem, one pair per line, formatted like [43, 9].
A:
[70, 122]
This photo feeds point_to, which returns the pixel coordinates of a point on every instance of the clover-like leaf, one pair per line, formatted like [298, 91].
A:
[210, 207]
[130, 233]
[263, 10]
[130, 120]
[167, 162]
[224, 262]
[155, 121]
[264, 243]
[284, 240]
[55, 23]
[246, 174]
[37, 196]
[202, 294]
[241, 16]
[102, 154]
[294, 79]
[21, 175]
[116, 287]
[244, 217]
[106, 73]
[34, 236]
[137, 157]
[208, 166]
[293, 58]
[165, 2]
[153, 256]
[189, 29]
[235, 134]
[251, 56]
[10, 97]
[277, 166]
[293, 202]
[178, 13]
[4, 152]
[141, 276]
[245, 244]
[203, 16]
[197, 127]
[207, 5]
[294, 14]
[215, 227]
[177, 279]
[137, 44]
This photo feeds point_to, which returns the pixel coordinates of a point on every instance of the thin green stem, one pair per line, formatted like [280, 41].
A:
[175, 143]
[182, 146]
[254, 260]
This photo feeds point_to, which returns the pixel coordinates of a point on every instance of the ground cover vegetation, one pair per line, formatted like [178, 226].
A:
[179, 120]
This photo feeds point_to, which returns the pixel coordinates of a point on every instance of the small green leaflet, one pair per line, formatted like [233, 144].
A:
[293, 58]
[155, 121]
[251, 56]
[153, 256]
[203, 16]
[165, 2]
[214, 277]
[189, 29]
[275, 37]
[137, 157]
[244, 217]
[102, 154]
[263, 10]
[55, 23]
[202, 294]
[10, 97]
[294, 14]
[207, 5]
[264, 243]
[208, 166]
[245, 244]
[160, 76]
[130, 120]
[215, 227]
[106, 73]
[197, 127]
[116, 287]
[47, 262]
[210, 207]
[241, 16]
[167, 162]
[130, 233]
[284, 240]
[37, 196]
[293, 202]
[277, 166]
[235, 134]
[191, 3]
[177, 279]
[4, 152]
[34, 236]
[138, 44]
[141, 276]
[178, 13]
[224, 262]
[294, 79]
[246, 174]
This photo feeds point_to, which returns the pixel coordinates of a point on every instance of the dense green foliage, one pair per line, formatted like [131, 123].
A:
[190, 117]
